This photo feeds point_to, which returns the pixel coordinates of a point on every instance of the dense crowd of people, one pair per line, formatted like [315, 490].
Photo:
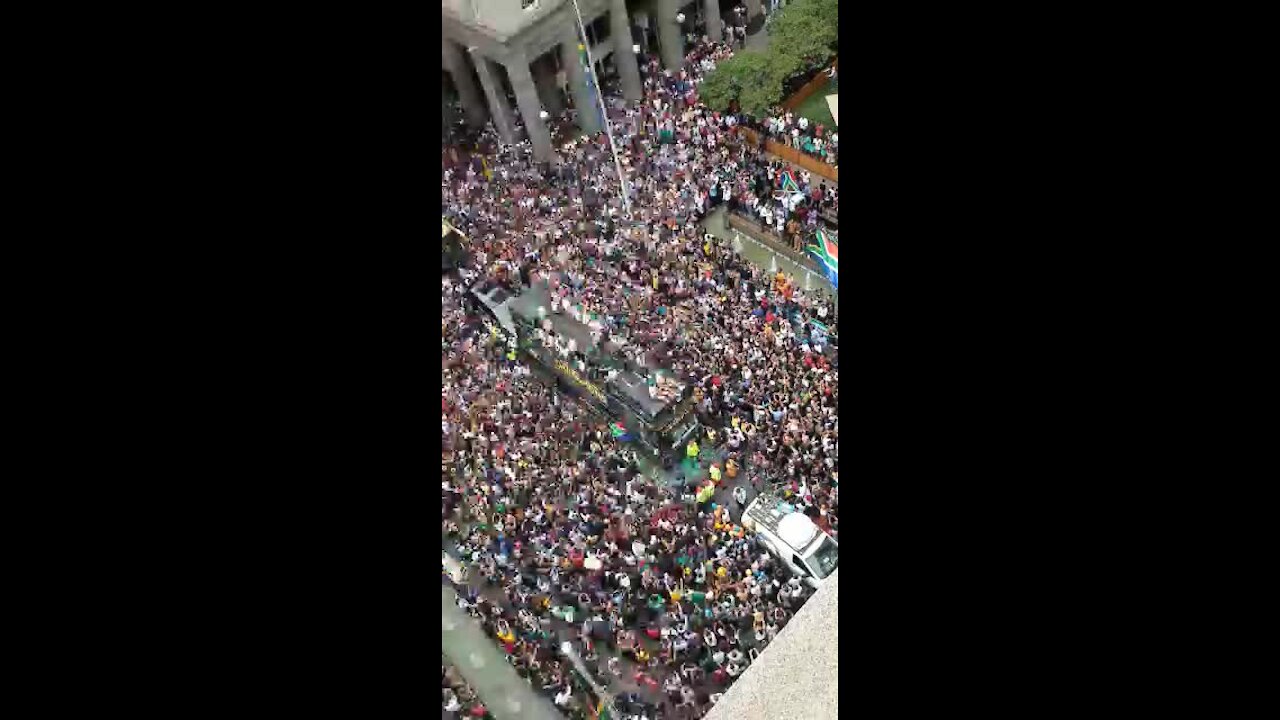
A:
[562, 534]
[797, 131]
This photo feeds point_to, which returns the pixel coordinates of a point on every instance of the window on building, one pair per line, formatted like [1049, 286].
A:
[598, 30]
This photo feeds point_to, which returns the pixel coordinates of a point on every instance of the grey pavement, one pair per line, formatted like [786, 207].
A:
[759, 40]
[507, 695]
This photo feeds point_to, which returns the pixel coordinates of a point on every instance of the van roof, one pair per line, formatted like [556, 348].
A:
[797, 530]
[766, 511]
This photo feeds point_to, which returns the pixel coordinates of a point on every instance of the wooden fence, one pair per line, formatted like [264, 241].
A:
[816, 83]
[794, 156]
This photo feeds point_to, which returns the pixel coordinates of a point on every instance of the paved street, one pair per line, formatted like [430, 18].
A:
[478, 658]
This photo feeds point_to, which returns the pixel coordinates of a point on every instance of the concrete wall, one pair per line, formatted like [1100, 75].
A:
[504, 17]
[795, 678]
[460, 8]
[501, 33]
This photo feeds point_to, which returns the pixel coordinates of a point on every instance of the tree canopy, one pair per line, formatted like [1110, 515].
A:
[807, 30]
[747, 77]
[803, 36]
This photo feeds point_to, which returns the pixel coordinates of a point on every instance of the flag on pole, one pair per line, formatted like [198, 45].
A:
[825, 248]
[787, 182]
[589, 78]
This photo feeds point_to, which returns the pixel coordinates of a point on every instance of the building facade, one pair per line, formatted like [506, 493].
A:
[531, 47]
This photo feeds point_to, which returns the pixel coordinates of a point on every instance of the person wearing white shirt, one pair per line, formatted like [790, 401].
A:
[562, 698]
[804, 123]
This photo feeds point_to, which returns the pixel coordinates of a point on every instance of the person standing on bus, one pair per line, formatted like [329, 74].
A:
[691, 452]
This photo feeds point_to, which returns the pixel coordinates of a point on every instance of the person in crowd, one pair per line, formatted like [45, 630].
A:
[566, 537]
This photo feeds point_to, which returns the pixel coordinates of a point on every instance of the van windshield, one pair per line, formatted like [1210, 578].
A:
[825, 559]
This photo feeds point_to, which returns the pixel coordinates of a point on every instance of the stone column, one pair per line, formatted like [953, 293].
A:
[498, 108]
[715, 25]
[584, 100]
[544, 77]
[624, 58]
[753, 9]
[460, 71]
[670, 35]
[530, 107]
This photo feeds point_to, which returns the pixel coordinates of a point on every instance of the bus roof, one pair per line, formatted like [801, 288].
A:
[636, 389]
[526, 304]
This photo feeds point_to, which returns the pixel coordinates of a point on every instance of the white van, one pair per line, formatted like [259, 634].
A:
[811, 554]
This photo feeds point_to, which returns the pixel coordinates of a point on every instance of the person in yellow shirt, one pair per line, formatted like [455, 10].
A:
[691, 453]
[715, 473]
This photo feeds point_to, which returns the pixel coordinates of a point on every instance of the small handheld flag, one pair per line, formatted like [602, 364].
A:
[787, 181]
[619, 432]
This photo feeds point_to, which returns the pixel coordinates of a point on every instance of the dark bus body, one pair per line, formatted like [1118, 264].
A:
[660, 427]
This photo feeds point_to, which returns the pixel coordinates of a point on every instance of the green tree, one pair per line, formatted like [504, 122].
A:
[747, 77]
[719, 88]
[808, 31]
[803, 36]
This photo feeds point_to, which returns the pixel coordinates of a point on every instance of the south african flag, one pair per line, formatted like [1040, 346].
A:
[619, 432]
[787, 182]
[826, 250]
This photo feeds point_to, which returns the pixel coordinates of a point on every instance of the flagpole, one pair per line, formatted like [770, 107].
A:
[602, 692]
[604, 114]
